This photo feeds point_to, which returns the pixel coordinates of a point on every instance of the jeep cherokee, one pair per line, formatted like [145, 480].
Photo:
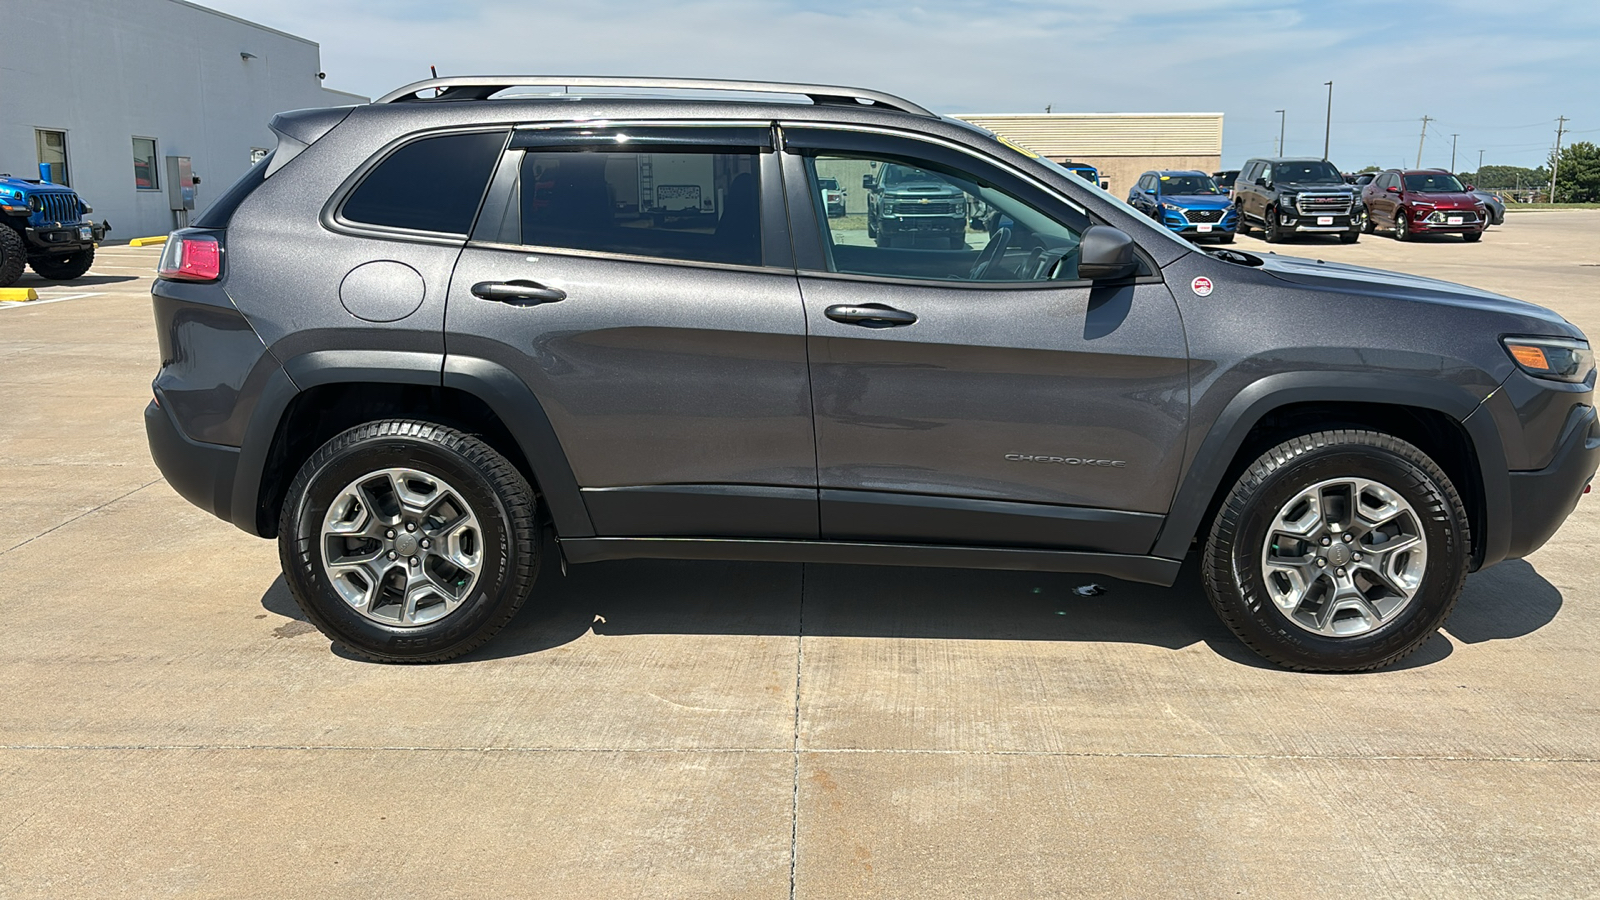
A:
[408, 388]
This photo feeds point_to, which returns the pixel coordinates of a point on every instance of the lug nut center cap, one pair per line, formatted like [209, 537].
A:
[1338, 555]
[406, 544]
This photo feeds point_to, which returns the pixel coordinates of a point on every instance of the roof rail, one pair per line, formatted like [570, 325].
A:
[482, 87]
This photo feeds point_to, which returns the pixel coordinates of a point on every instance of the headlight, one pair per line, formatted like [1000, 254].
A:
[1556, 359]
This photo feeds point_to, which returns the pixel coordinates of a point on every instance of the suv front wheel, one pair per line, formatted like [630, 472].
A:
[406, 541]
[1338, 551]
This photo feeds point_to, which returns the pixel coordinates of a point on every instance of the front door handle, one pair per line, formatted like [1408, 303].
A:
[870, 315]
[518, 293]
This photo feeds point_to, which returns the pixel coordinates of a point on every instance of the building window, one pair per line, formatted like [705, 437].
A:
[145, 176]
[53, 153]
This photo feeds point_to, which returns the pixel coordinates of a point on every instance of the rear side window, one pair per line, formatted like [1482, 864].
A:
[697, 207]
[434, 184]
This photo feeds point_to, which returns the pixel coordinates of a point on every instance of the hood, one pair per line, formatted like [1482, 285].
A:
[32, 187]
[1197, 201]
[1314, 186]
[1443, 201]
[1379, 283]
[921, 188]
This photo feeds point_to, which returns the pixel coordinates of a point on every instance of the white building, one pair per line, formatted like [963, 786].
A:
[106, 89]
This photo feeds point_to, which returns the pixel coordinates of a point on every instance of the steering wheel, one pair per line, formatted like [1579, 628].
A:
[991, 252]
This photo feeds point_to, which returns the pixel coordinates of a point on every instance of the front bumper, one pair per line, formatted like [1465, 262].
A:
[1542, 499]
[65, 238]
[1314, 223]
[1178, 223]
[1438, 221]
[942, 224]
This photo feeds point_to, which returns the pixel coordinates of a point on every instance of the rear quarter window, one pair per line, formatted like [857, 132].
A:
[434, 184]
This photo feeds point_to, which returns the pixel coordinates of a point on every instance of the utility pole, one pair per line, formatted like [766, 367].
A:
[1555, 161]
[1453, 152]
[1280, 132]
[1328, 129]
[1478, 175]
[1047, 108]
[1422, 140]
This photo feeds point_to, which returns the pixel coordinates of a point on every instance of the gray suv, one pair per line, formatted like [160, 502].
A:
[426, 334]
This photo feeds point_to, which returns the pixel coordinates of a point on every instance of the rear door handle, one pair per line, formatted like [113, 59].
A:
[870, 315]
[518, 293]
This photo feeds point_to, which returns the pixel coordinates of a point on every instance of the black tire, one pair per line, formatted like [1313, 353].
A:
[1366, 223]
[492, 489]
[1225, 238]
[65, 267]
[13, 256]
[1273, 230]
[1349, 237]
[1402, 229]
[1244, 224]
[872, 228]
[1472, 237]
[1232, 570]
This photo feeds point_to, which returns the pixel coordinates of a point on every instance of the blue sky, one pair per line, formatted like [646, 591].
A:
[1496, 72]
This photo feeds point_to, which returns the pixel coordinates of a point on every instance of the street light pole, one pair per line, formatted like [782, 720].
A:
[1328, 128]
[1280, 132]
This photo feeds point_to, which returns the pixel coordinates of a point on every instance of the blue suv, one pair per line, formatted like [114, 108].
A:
[1187, 203]
[45, 226]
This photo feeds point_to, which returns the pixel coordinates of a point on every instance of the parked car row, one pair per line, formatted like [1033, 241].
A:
[1288, 197]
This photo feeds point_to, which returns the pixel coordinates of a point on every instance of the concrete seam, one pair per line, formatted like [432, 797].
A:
[1043, 754]
[78, 516]
[799, 665]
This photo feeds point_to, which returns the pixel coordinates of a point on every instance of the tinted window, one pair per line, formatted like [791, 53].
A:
[701, 207]
[927, 221]
[1309, 172]
[434, 184]
[1434, 183]
[1187, 185]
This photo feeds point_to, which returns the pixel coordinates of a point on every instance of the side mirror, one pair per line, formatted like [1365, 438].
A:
[1393, 189]
[1106, 254]
[1471, 188]
[867, 181]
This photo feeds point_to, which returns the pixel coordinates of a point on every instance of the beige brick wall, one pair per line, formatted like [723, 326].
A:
[1122, 171]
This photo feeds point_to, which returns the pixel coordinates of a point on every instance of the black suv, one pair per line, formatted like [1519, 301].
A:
[1288, 197]
[426, 334]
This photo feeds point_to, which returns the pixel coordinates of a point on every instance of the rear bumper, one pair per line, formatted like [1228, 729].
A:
[1542, 499]
[202, 474]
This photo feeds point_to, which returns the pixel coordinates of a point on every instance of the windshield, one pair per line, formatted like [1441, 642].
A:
[1188, 185]
[1309, 172]
[1153, 231]
[1434, 183]
[897, 175]
[828, 184]
[1226, 179]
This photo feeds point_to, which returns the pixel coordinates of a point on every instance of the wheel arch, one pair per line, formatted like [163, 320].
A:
[1434, 416]
[318, 394]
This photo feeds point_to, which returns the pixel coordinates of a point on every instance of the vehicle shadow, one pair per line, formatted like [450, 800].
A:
[781, 599]
[34, 281]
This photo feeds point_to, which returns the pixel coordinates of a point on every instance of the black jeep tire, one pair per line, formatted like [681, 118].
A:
[65, 267]
[1472, 237]
[471, 483]
[13, 256]
[1273, 229]
[1234, 561]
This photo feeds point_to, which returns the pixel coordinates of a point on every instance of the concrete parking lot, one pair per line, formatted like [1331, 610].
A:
[171, 726]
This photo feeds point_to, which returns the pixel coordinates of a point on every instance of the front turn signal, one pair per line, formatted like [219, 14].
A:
[1556, 359]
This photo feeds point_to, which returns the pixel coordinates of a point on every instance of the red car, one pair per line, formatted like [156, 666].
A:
[1423, 201]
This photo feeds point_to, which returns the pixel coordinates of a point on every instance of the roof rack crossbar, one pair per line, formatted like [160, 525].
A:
[471, 87]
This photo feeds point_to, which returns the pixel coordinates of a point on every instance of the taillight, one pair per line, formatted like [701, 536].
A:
[191, 256]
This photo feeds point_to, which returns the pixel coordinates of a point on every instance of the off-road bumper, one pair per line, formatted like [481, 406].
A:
[65, 238]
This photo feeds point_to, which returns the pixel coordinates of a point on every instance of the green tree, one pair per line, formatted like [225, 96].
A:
[1578, 177]
[1505, 178]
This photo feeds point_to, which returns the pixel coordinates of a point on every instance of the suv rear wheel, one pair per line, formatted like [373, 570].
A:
[406, 541]
[1338, 551]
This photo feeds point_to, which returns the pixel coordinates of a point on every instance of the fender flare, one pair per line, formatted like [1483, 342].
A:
[1222, 442]
[499, 389]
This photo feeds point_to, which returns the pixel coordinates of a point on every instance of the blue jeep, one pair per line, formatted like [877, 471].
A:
[46, 226]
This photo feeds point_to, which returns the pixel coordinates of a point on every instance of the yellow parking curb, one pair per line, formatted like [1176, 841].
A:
[145, 242]
[18, 294]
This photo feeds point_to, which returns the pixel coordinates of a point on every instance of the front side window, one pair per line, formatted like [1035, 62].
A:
[52, 146]
[145, 177]
[434, 184]
[696, 207]
[928, 221]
